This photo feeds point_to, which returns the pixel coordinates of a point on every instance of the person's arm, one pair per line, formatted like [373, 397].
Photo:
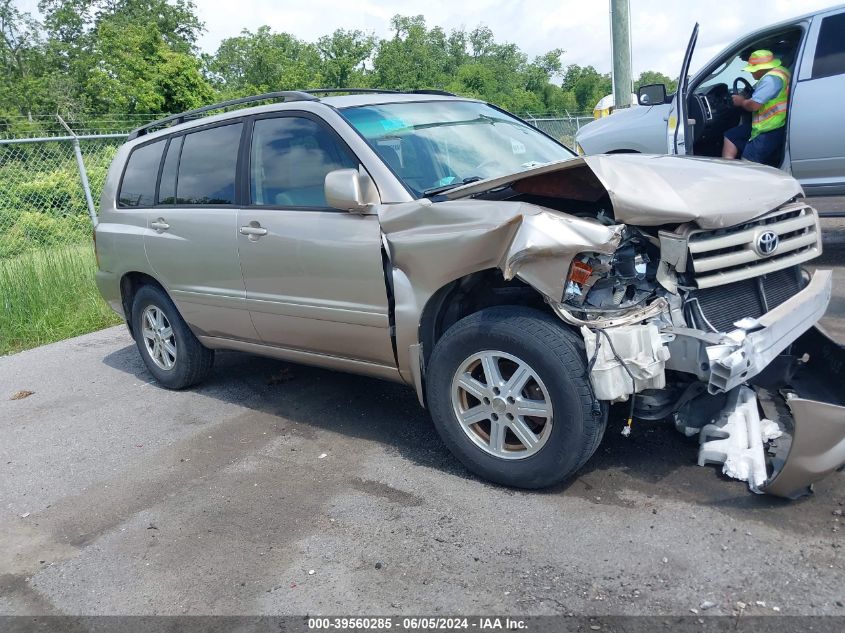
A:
[746, 104]
[765, 90]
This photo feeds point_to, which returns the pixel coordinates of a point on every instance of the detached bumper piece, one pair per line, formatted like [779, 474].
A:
[737, 440]
[800, 436]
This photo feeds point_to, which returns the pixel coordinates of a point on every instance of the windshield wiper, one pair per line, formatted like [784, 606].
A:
[452, 185]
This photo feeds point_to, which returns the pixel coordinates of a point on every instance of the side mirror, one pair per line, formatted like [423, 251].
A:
[349, 190]
[653, 94]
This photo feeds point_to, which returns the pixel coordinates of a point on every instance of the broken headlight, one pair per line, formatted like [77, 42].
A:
[610, 282]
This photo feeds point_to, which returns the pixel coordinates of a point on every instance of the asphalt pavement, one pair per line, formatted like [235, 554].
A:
[282, 489]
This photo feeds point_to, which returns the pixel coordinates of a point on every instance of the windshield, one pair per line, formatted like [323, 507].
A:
[436, 145]
[726, 73]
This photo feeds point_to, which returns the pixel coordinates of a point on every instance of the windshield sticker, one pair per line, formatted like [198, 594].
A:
[390, 125]
[517, 147]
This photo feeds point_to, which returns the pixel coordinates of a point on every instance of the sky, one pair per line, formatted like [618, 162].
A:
[660, 29]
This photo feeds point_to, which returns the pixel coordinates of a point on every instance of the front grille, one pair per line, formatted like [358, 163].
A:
[722, 306]
[725, 256]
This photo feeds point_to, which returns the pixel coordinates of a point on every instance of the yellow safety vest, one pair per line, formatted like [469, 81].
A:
[773, 113]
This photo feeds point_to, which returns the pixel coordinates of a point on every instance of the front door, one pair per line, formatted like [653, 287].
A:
[678, 128]
[314, 275]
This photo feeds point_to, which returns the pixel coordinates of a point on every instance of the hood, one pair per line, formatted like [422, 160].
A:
[619, 117]
[650, 190]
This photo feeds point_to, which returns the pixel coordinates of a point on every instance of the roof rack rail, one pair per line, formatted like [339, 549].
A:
[176, 119]
[378, 91]
[443, 93]
[320, 91]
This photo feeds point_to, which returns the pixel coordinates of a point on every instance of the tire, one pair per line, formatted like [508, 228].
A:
[191, 362]
[510, 338]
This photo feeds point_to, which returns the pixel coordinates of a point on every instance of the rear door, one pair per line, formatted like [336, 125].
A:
[816, 129]
[191, 239]
[314, 275]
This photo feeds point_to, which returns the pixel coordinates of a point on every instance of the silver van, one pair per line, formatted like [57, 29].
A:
[694, 120]
[520, 290]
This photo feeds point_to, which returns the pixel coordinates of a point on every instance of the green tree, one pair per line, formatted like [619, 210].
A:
[587, 86]
[264, 61]
[415, 57]
[22, 87]
[654, 77]
[342, 56]
[121, 56]
[139, 73]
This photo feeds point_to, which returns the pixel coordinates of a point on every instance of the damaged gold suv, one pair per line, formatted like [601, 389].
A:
[520, 290]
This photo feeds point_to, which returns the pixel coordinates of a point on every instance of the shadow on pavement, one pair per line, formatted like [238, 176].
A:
[655, 462]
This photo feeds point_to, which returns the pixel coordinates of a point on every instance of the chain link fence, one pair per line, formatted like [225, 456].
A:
[42, 199]
[563, 128]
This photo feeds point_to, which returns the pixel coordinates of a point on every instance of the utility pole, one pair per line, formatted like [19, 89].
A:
[620, 46]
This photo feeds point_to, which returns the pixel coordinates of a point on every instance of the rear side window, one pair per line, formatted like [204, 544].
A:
[830, 50]
[207, 166]
[289, 160]
[167, 186]
[138, 187]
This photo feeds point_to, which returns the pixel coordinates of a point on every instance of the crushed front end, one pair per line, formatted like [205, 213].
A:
[716, 328]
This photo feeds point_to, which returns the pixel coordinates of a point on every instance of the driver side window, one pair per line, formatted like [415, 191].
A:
[289, 159]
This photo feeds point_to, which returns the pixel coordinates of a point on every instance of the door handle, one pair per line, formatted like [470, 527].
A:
[253, 230]
[160, 225]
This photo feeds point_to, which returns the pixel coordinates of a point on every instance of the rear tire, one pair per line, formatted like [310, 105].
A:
[539, 367]
[167, 346]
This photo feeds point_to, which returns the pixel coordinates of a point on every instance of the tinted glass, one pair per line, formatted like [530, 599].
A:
[830, 51]
[435, 144]
[167, 186]
[289, 160]
[207, 166]
[138, 188]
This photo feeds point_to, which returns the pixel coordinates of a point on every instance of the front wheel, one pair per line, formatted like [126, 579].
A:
[168, 347]
[509, 394]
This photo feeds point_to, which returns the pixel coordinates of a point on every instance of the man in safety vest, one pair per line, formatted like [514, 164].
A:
[762, 140]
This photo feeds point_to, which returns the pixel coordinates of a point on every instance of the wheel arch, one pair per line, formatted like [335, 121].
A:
[467, 295]
[130, 283]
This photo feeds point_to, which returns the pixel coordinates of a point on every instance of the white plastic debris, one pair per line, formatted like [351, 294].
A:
[770, 430]
[323, 455]
[736, 440]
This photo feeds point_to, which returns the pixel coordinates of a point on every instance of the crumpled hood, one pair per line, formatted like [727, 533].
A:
[648, 190]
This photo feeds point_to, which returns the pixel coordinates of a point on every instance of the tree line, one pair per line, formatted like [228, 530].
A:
[89, 58]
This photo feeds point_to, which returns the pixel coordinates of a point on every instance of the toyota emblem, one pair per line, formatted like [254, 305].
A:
[767, 242]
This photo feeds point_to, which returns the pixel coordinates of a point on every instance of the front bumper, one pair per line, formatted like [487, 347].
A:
[800, 436]
[729, 360]
[814, 416]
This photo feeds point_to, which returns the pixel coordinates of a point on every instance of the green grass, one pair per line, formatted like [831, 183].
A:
[49, 295]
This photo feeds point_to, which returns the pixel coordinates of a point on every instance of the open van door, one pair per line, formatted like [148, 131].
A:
[679, 126]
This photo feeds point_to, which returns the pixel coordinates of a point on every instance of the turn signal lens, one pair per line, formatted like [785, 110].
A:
[580, 272]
